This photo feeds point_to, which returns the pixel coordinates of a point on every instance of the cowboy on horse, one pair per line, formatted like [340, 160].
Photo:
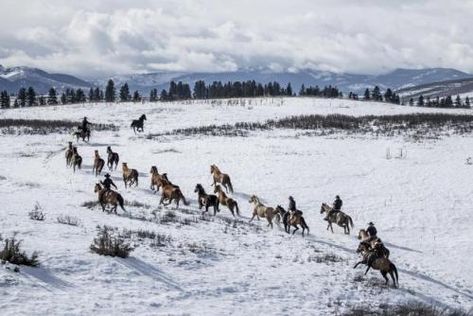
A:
[337, 207]
[293, 211]
[107, 184]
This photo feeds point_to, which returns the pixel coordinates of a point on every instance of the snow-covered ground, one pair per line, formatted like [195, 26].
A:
[421, 205]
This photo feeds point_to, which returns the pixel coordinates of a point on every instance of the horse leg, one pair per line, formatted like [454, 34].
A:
[391, 273]
[252, 217]
[367, 269]
[297, 228]
[357, 264]
[384, 273]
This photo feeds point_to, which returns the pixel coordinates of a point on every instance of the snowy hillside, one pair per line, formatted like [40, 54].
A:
[418, 195]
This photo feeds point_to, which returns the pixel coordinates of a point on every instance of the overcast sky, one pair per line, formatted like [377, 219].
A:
[103, 37]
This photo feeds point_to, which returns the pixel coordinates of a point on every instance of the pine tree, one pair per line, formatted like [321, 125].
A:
[388, 95]
[80, 96]
[458, 102]
[22, 97]
[63, 98]
[136, 96]
[420, 102]
[31, 97]
[289, 90]
[91, 95]
[52, 97]
[125, 93]
[467, 102]
[4, 99]
[376, 94]
[41, 100]
[110, 91]
[411, 102]
[153, 95]
[302, 90]
[164, 95]
[367, 94]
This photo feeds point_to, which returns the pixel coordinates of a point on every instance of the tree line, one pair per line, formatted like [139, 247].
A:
[216, 90]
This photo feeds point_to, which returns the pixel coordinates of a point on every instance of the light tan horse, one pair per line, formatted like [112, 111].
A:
[130, 176]
[76, 159]
[221, 178]
[338, 217]
[98, 163]
[109, 197]
[377, 262]
[170, 192]
[227, 201]
[68, 154]
[260, 210]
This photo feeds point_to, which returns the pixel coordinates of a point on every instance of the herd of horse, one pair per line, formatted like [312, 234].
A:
[374, 254]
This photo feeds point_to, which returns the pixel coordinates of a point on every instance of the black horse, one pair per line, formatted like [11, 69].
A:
[81, 133]
[206, 200]
[137, 125]
[285, 218]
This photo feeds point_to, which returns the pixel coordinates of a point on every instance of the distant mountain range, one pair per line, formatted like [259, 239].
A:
[462, 87]
[12, 79]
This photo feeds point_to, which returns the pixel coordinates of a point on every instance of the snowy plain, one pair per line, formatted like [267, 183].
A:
[420, 203]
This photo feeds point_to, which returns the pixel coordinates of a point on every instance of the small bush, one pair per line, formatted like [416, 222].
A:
[90, 204]
[409, 309]
[107, 245]
[12, 253]
[37, 213]
[68, 220]
[326, 258]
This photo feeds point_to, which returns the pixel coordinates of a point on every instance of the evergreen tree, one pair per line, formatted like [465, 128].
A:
[448, 101]
[136, 96]
[31, 97]
[467, 102]
[16, 104]
[22, 97]
[388, 95]
[153, 95]
[302, 90]
[41, 100]
[458, 102]
[63, 98]
[110, 91]
[52, 97]
[367, 94]
[411, 102]
[80, 96]
[4, 99]
[376, 94]
[289, 90]
[164, 95]
[125, 93]
[420, 102]
[91, 95]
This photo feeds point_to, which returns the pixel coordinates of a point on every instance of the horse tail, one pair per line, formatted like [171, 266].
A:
[393, 268]
[230, 186]
[79, 162]
[350, 221]
[120, 201]
[304, 224]
[237, 208]
[183, 198]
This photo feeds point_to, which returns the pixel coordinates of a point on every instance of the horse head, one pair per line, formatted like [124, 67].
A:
[154, 170]
[253, 199]
[198, 188]
[281, 210]
[212, 168]
[217, 189]
[323, 208]
[97, 188]
[143, 117]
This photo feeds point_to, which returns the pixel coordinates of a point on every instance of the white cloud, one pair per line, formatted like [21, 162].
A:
[91, 37]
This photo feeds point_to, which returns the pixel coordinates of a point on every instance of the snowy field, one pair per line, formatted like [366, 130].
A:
[420, 203]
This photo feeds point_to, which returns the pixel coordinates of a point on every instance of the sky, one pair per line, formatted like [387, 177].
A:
[94, 38]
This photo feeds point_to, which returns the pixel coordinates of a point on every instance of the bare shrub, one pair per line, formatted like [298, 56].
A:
[12, 253]
[328, 257]
[90, 204]
[105, 244]
[408, 309]
[37, 213]
[68, 220]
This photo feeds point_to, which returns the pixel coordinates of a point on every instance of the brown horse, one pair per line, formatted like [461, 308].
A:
[130, 176]
[109, 197]
[82, 134]
[225, 200]
[68, 154]
[171, 192]
[98, 163]
[155, 176]
[76, 159]
[294, 221]
[260, 210]
[373, 260]
[337, 217]
[113, 158]
[222, 178]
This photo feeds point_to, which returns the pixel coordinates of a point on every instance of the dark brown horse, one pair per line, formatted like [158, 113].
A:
[171, 193]
[109, 197]
[294, 220]
[98, 163]
[337, 217]
[227, 201]
[82, 134]
[113, 158]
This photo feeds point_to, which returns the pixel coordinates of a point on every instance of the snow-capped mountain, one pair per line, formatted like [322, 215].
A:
[462, 87]
[397, 79]
[14, 78]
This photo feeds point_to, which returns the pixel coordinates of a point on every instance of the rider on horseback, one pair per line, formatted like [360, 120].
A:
[293, 211]
[337, 206]
[85, 125]
[107, 184]
[371, 230]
